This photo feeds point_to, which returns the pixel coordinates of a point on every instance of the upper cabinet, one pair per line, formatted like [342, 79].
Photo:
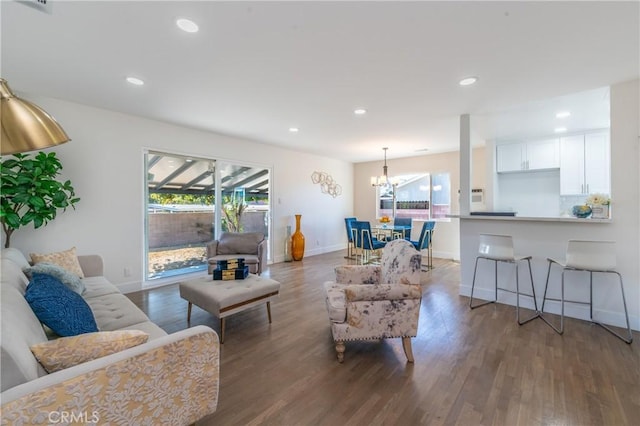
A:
[528, 156]
[585, 164]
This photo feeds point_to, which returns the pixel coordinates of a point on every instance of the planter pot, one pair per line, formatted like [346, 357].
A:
[599, 211]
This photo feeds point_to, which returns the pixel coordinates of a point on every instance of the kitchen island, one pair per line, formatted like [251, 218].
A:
[542, 238]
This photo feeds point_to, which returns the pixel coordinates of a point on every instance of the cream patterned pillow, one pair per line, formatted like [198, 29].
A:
[65, 259]
[66, 352]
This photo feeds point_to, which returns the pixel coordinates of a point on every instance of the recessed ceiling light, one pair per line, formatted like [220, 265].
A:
[360, 111]
[563, 114]
[422, 150]
[560, 129]
[468, 81]
[187, 25]
[135, 81]
[294, 129]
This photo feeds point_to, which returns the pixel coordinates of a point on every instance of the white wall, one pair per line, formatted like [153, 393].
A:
[104, 161]
[549, 239]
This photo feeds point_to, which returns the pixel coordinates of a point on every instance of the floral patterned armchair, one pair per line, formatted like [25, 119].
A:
[377, 301]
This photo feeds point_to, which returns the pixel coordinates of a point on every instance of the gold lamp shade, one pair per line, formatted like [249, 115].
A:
[26, 126]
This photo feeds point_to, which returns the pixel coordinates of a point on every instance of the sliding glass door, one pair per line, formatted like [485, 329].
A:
[244, 199]
[183, 195]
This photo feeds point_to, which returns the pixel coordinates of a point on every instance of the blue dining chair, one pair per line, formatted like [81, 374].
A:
[365, 241]
[406, 222]
[348, 221]
[425, 240]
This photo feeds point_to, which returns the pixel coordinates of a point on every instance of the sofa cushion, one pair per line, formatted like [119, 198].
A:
[148, 327]
[98, 287]
[15, 256]
[67, 259]
[249, 259]
[61, 309]
[13, 276]
[115, 312]
[20, 329]
[66, 352]
[71, 280]
[239, 243]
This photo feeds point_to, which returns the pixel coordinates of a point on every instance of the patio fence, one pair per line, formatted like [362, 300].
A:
[179, 229]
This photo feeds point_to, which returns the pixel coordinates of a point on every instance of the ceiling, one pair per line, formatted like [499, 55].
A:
[256, 69]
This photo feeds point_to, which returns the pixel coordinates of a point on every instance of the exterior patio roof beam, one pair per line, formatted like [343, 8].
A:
[249, 179]
[192, 182]
[172, 176]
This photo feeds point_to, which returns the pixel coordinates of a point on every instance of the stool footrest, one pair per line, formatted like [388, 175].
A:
[481, 304]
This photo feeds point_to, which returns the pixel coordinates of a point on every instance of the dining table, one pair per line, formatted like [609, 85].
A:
[386, 232]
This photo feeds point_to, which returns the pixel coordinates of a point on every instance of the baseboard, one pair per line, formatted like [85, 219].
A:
[314, 252]
[129, 287]
[446, 255]
[616, 319]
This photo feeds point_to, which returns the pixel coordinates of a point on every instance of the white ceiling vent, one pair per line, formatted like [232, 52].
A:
[42, 5]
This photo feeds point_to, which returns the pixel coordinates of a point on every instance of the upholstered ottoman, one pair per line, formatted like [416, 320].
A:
[224, 298]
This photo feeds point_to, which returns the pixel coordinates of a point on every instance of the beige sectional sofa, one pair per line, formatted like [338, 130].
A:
[171, 379]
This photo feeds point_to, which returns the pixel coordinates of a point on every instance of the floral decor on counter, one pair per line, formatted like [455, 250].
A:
[598, 199]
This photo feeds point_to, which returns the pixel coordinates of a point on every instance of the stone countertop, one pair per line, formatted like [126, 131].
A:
[530, 219]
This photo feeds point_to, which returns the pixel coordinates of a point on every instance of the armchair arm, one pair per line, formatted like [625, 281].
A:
[356, 293]
[212, 249]
[171, 380]
[358, 274]
[92, 265]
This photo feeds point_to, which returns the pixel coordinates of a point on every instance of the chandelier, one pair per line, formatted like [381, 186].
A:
[383, 180]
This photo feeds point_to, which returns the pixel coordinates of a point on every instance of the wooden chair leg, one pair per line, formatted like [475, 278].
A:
[222, 330]
[340, 351]
[189, 313]
[269, 310]
[406, 345]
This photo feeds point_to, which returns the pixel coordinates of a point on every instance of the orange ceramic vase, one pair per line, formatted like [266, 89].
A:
[297, 241]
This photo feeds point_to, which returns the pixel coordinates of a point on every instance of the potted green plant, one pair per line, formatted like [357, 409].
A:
[31, 191]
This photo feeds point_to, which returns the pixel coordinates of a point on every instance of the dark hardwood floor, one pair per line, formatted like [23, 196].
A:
[471, 367]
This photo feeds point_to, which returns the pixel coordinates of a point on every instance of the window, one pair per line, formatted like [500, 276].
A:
[418, 196]
[440, 196]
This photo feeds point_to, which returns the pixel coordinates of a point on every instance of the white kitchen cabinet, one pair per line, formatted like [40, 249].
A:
[528, 156]
[543, 154]
[585, 164]
[509, 157]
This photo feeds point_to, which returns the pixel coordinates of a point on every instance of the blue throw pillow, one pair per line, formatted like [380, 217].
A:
[58, 307]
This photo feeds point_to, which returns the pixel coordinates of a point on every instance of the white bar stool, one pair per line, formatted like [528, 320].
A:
[499, 248]
[587, 256]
